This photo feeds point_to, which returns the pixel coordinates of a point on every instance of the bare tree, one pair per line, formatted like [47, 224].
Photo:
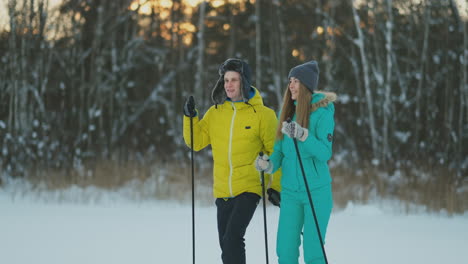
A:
[199, 91]
[386, 154]
[258, 43]
[231, 48]
[277, 45]
[422, 65]
[360, 42]
[463, 87]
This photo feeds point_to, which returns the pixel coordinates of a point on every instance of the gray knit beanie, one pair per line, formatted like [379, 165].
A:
[307, 73]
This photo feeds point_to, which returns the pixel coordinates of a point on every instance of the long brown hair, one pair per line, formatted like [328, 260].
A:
[302, 108]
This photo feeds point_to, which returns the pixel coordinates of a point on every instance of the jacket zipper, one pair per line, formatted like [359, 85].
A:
[230, 148]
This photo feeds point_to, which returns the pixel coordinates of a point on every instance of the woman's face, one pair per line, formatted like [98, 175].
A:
[294, 87]
[232, 85]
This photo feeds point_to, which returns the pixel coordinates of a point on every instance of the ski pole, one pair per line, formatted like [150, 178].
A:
[310, 196]
[264, 211]
[193, 185]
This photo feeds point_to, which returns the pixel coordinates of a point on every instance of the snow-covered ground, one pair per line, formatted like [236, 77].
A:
[37, 229]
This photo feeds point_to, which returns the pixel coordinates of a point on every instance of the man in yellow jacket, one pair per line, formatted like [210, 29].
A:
[238, 126]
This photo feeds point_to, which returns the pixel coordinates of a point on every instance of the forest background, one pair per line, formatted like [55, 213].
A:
[91, 92]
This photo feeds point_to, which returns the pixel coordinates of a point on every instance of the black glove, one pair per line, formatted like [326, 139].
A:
[274, 196]
[189, 107]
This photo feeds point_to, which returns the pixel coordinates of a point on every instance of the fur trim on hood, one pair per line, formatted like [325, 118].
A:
[328, 97]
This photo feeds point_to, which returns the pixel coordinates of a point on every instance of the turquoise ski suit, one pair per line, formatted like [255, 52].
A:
[295, 213]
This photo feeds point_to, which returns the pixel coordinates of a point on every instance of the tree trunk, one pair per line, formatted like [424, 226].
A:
[387, 114]
[369, 99]
[258, 44]
[422, 76]
[199, 91]
[232, 33]
[277, 46]
[463, 117]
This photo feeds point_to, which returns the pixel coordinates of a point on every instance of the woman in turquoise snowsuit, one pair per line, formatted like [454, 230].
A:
[312, 126]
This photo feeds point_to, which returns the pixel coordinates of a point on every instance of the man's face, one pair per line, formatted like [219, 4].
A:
[232, 85]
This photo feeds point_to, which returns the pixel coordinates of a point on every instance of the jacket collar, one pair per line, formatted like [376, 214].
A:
[254, 101]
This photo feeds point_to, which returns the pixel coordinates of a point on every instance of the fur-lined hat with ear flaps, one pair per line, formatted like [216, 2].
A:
[218, 95]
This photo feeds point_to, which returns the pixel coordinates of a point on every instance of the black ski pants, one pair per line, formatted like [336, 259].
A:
[234, 215]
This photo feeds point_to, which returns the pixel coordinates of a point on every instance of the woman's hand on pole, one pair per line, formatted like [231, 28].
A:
[294, 130]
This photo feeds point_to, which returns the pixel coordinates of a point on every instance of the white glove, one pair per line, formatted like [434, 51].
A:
[263, 163]
[294, 130]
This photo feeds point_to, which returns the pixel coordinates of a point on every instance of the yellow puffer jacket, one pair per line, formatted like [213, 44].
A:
[237, 132]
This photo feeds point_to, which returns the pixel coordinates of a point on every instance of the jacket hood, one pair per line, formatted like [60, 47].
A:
[322, 99]
[218, 94]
